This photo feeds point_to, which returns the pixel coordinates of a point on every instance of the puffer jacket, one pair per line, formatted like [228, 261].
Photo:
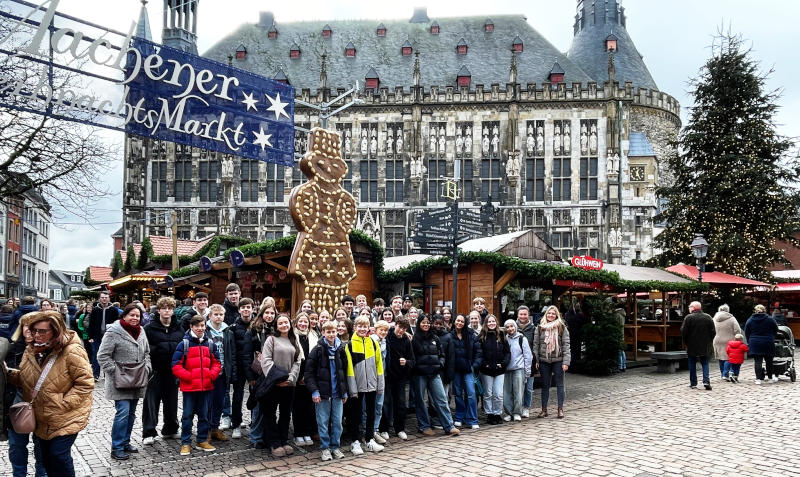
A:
[760, 331]
[163, 342]
[364, 366]
[496, 355]
[727, 327]
[318, 374]
[243, 346]
[540, 347]
[735, 351]
[64, 402]
[198, 367]
[448, 370]
[428, 353]
[119, 346]
[467, 351]
[7, 325]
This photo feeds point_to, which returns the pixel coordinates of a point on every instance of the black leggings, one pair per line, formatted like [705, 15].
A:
[760, 369]
[354, 417]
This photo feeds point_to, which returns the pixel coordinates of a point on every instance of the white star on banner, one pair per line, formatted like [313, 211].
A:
[261, 138]
[278, 107]
[249, 101]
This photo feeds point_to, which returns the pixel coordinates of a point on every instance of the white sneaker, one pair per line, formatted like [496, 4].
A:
[385, 436]
[457, 424]
[225, 423]
[148, 441]
[299, 441]
[326, 455]
[378, 438]
[526, 412]
[373, 446]
[775, 379]
[758, 381]
[402, 435]
[356, 448]
[337, 454]
[237, 433]
[517, 417]
[507, 418]
[309, 441]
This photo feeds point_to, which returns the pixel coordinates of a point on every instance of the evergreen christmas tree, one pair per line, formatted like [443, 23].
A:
[734, 179]
[130, 259]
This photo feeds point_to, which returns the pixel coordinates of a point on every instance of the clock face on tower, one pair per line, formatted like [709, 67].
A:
[636, 173]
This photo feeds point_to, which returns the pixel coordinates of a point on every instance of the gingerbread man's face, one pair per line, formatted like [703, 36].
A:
[324, 160]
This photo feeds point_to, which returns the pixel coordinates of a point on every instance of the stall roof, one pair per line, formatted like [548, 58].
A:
[490, 244]
[391, 264]
[786, 274]
[787, 287]
[631, 273]
[716, 278]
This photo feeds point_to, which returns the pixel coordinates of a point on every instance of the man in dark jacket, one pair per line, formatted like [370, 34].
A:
[400, 362]
[244, 351]
[103, 314]
[8, 324]
[200, 307]
[698, 333]
[231, 303]
[28, 306]
[163, 335]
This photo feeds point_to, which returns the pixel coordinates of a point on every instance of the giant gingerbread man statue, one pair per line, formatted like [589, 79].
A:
[323, 213]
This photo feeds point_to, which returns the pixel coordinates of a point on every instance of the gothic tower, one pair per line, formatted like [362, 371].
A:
[180, 25]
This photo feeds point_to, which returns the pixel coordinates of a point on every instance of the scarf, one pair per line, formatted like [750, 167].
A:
[551, 332]
[131, 329]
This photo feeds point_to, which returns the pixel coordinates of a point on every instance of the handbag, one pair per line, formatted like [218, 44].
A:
[256, 365]
[130, 375]
[21, 414]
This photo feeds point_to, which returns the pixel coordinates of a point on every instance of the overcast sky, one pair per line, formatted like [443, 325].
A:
[674, 38]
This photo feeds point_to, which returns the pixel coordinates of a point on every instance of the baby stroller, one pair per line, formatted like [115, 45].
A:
[783, 363]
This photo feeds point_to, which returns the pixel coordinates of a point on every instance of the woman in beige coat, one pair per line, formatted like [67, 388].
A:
[64, 401]
[727, 327]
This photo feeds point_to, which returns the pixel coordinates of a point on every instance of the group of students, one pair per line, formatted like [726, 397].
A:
[352, 372]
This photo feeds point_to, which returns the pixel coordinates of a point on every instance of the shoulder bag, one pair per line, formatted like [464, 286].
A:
[130, 375]
[21, 414]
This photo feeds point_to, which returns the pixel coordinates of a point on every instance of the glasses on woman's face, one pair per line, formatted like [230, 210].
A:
[40, 331]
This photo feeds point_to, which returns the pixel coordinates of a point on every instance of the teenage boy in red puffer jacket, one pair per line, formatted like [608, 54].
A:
[196, 364]
[736, 350]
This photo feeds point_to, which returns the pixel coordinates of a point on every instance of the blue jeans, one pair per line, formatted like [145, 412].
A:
[123, 423]
[93, 357]
[433, 385]
[195, 403]
[527, 399]
[18, 454]
[622, 361]
[724, 368]
[492, 394]
[466, 410]
[693, 360]
[256, 425]
[56, 455]
[217, 403]
[548, 371]
[329, 422]
[513, 390]
[734, 369]
[226, 402]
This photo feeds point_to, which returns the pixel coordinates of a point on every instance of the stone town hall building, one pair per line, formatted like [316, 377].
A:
[545, 135]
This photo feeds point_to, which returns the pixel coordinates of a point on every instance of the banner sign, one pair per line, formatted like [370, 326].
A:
[73, 71]
[586, 262]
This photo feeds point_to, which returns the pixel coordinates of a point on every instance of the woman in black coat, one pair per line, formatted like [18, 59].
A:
[760, 331]
[496, 355]
[467, 359]
[430, 361]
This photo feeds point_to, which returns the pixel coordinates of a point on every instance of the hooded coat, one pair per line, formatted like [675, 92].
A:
[726, 327]
[119, 346]
[64, 402]
[760, 331]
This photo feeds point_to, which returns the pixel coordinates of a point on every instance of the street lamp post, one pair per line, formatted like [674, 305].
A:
[699, 250]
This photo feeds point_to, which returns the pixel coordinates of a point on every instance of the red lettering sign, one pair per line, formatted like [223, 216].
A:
[587, 262]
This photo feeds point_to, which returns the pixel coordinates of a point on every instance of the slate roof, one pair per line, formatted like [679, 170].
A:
[639, 145]
[488, 57]
[588, 49]
[63, 277]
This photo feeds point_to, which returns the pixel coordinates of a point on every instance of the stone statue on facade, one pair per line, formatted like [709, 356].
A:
[593, 140]
[584, 140]
[567, 139]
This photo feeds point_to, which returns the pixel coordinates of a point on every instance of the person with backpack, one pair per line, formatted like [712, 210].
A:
[196, 364]
[365, 380]
[517, 371]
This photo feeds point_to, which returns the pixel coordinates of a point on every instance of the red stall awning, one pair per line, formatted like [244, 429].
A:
[716, 278]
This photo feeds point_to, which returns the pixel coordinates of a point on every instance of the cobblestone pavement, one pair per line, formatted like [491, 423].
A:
[639, 423]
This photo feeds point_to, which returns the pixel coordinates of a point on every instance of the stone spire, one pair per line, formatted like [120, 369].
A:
[323, 73]
[143, 26]
[417, 75]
